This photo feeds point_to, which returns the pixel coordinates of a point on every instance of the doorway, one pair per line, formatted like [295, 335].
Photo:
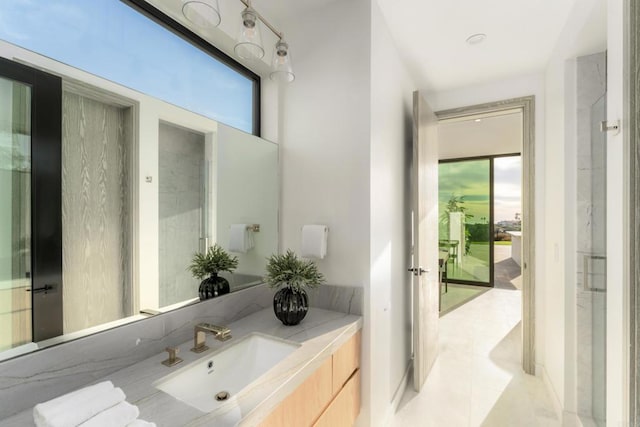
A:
[65, 207]
[526, 108]
[30, 205]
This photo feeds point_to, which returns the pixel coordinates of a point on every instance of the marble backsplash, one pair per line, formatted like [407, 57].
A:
[45, 374]
[343, 299]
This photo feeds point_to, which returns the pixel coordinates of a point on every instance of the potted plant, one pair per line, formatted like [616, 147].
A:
[292, 275]
[208, 265]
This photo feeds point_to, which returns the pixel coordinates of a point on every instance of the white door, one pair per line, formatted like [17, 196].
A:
[425, 240]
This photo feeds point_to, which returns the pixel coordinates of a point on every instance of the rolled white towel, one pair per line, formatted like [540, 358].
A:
[118, 416]
[78, 406]
[141, 423]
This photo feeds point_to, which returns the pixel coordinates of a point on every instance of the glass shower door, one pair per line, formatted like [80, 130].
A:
[183, 210]
[595, 264]
[15, 214]
[591, 241]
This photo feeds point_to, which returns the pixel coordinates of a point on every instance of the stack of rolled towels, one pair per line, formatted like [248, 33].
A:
[99, 405]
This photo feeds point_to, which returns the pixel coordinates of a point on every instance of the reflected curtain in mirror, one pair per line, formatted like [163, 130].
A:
[15, 214]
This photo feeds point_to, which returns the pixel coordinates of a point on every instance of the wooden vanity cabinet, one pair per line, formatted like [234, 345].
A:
[329, 397]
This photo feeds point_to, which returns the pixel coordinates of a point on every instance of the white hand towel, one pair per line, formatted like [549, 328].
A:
[141, 423]
[240, 238]
[314, 241]
[117, 416]
[78, 406]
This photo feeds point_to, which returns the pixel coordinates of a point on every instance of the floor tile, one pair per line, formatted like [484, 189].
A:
[477, 379]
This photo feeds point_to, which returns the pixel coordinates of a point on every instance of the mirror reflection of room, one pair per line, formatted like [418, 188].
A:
[149, 176]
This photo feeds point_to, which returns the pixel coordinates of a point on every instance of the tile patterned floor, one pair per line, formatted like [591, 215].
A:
[477, 379]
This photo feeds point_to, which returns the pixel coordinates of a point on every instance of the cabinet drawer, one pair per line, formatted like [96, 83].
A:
[302, 407]
[345, 407]
[345, 361]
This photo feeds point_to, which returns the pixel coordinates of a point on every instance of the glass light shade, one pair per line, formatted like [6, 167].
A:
[249, 45]
[281, 68]
[202, 13]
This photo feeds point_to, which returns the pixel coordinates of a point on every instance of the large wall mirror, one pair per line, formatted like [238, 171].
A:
[107, 191]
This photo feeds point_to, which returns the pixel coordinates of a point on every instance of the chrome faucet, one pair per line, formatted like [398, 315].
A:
[221, 333]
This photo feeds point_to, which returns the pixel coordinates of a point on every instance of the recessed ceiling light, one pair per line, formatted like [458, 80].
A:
[477, 120]
[476, 38]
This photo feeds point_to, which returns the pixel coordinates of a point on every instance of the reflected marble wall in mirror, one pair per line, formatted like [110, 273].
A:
[145, 185]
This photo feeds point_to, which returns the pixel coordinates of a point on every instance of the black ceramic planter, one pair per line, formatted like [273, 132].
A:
[290, 306]
[212, 287]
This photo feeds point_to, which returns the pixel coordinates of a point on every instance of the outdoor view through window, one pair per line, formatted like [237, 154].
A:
[465, 213]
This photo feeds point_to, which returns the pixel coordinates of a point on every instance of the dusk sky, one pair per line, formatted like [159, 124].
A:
[471, 180]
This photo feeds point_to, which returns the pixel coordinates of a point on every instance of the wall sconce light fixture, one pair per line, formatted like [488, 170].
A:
[206, 13]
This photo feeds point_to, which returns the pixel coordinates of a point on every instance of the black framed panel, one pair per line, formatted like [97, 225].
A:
[180, 30]
[491, 159]
[46, 196]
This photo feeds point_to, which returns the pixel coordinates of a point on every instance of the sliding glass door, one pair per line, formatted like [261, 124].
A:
[30, 224]
[464, 203]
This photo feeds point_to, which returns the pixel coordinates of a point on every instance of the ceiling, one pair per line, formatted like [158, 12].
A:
[501, 134]
[431, 36]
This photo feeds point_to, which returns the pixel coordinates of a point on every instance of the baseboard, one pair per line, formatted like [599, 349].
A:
[571, 419]
[555, 400]
[397, 396]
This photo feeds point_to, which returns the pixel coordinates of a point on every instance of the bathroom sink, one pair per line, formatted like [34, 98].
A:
[209, 382]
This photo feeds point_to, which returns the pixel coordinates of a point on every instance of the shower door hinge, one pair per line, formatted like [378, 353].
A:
[610, 126]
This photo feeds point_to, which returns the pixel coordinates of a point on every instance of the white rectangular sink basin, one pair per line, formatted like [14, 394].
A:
[202, 383]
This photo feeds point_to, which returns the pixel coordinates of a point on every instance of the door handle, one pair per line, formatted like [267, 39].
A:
[45, 289]
[418, 271]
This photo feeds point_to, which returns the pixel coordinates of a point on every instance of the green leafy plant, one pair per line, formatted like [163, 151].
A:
[455, 204]
[212, 262]
[290, 271]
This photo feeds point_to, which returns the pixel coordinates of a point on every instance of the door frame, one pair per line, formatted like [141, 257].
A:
[632, 102]
[527, 107]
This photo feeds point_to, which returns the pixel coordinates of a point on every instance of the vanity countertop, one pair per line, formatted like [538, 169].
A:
[320, 334]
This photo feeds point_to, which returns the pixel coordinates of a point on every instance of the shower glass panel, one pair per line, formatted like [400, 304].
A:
[591, 258]
[183, 210]
[464, 204]
[595, 263]
[15, 214]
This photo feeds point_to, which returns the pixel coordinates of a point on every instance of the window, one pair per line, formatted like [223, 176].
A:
[110, 39]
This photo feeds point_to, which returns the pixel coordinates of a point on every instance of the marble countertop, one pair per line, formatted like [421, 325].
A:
[320, 334]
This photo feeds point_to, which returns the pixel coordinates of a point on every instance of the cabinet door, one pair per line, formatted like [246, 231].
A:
[345, 408]
[345, 361]
[306, 403]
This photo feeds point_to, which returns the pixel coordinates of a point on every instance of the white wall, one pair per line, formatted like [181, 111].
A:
[391, 152]
[345, 138]
[324, 138]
